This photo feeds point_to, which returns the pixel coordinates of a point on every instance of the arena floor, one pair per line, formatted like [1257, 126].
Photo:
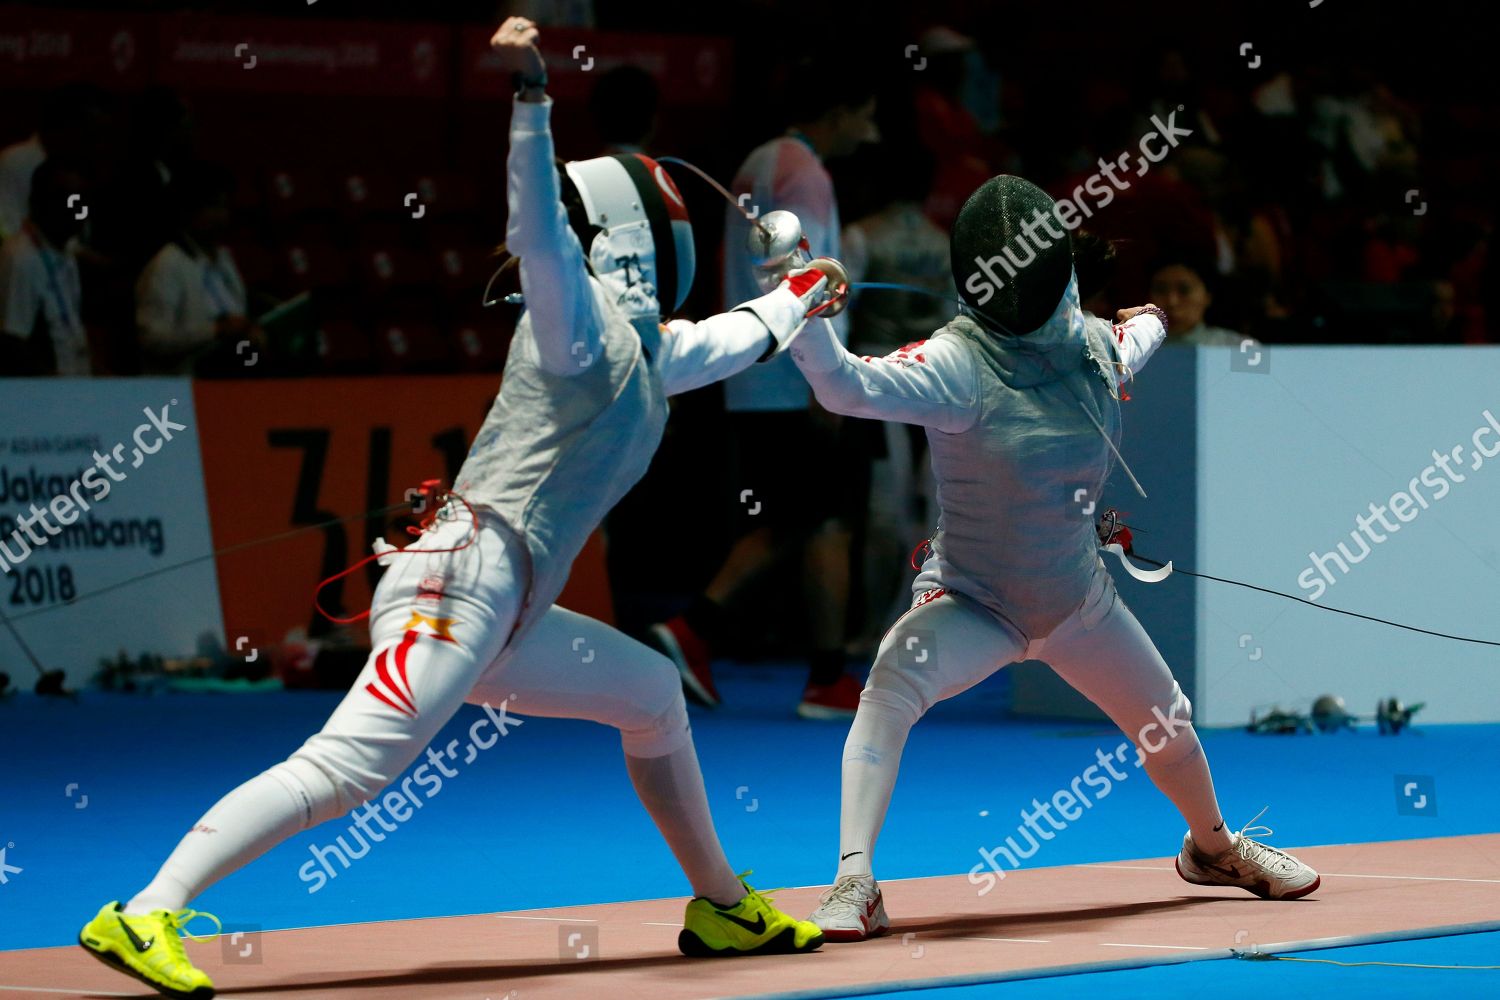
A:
[536, 851]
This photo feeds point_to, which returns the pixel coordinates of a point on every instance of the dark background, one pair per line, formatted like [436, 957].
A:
[1355, 261]
[1076, 82]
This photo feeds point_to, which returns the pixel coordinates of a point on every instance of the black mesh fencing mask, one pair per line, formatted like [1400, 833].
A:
[1012, 259]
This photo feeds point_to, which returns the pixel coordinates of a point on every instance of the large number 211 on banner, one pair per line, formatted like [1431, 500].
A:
[283, 455]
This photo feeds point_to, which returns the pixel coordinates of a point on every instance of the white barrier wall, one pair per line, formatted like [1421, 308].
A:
[1252, 470]
[1290, 453]
[1255, 464]
[145, 510]
[1160, 444]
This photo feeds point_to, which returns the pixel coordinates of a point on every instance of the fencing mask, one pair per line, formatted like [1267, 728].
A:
[1012, 259]
[643, 250]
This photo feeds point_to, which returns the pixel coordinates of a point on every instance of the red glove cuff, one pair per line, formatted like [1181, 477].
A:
[803, 283]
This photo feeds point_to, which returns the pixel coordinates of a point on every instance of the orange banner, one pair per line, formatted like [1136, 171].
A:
[281, 455]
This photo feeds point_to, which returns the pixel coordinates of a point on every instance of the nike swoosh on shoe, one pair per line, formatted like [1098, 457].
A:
[759, 927]
[140, 946]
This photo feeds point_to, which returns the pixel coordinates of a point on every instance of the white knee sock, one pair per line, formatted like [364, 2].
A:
[241, 826]
[671, 789]
[1181, 772]
[872, 757]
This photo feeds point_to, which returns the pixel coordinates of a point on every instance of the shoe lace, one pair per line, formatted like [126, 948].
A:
[751, 893]
[1251, 850]
[179, 919]
[844, 890]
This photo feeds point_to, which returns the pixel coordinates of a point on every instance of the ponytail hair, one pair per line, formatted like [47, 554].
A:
[572, 203]
[1094, 259]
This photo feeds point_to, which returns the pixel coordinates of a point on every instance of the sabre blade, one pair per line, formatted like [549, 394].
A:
[715, 185]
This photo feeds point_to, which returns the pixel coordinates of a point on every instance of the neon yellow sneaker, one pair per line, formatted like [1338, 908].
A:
[750, 927]
[149, 948]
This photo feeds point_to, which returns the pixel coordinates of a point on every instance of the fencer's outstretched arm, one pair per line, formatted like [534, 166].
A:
[697, 354]
[1138, 333]
[566, 320]
[934, 383]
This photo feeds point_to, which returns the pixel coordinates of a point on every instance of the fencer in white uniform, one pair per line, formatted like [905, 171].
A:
[466, 612]
[1017, 424]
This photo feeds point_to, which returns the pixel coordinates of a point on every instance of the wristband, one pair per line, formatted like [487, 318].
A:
[521, 81]
[1154, 311]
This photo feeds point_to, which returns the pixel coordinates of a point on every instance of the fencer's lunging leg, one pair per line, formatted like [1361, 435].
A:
[570, 666]
[938, 649]
[436, 622]
[1105, 654]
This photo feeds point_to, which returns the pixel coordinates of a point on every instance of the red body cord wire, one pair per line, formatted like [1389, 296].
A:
[431, 490]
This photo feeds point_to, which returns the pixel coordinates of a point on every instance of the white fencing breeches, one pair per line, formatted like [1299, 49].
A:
[430, 655]
[947, 643]
[440, 628]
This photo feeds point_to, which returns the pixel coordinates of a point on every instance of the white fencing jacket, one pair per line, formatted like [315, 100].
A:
[1017, 428]
[583, 400]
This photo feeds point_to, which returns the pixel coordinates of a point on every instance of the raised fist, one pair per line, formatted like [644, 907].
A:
[515, 41]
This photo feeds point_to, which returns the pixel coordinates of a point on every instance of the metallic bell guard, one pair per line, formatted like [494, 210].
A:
[778, 247]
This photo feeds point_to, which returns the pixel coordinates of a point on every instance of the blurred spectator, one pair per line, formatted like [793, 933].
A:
[1446, 328]
[623, 104]
[68, 125]
[787, 453]
[898, 244]
[1471, 284]
[830, 120]
[1174, 88]
[1364, 130]
[1277, 97]
[948, 128]
[1094, 262]
[554, 13]
[1211, 176]
[1161, 211]
[41, 296]
[1180, 289]
[190, 299]
[136, 217]
[17, 163]
[1391, 249]
[1337, 166]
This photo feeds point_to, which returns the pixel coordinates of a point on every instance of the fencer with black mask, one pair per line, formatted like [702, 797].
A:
[466, 612]
[1020, 397]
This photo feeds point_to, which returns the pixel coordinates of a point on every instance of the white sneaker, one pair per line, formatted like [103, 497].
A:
[852, 910]
[1250, 865]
